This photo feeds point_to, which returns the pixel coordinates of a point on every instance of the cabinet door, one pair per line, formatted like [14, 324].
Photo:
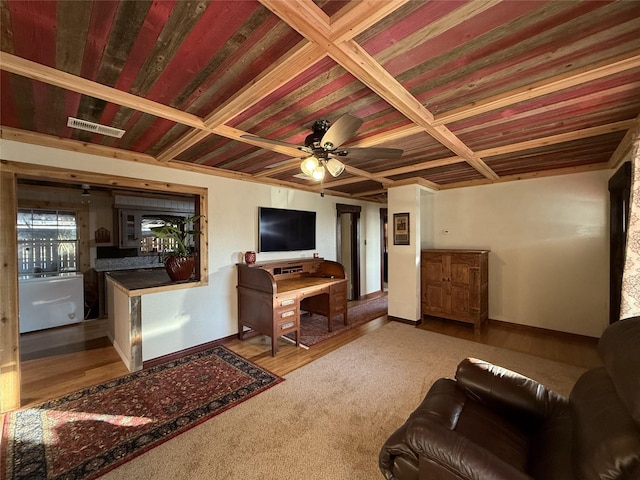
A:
[464, 278]
[130, 229]
[435, 285]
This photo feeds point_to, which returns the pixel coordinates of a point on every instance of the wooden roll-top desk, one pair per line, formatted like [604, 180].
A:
[271, 296]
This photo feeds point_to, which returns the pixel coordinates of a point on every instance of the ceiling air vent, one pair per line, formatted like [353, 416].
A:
[94, 127]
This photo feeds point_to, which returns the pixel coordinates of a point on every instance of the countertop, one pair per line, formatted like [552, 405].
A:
[142, 279]
[127, 263]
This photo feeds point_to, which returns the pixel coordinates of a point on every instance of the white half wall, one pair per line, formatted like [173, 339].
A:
[549, 260]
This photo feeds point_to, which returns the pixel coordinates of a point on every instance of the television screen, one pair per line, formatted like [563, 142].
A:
[282, 230]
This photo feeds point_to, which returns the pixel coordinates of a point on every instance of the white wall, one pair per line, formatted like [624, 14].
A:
[549, 260]
[181, 319]
[404, 260]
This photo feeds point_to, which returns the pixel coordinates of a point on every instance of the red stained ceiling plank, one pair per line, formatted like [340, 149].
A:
[454, 81]
[216, 26]
[34, 36]
[157, 16]
[566, 109]
[71, 105]
[233, 157]
[401, 28]
[262, 62]
[542, 126]
[229, 152]
[8, 111]
[158, 129]
[545, 126]
[214, 143]
[241, 51]
[591, 88]
[380, 120]
[485, 86]
[460, 34]
[99, 28]
[33, 25]
[285, 90]
[254, 163]
[330, 111]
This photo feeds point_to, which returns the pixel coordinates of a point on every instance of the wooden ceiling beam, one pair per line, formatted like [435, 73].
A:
[421, 166]
[573, 78]
[527, 176]
[364, 15]
[517, 147]
[560, 138]
[300, 14]
[623, 151]
[288, 165]
[35, 71]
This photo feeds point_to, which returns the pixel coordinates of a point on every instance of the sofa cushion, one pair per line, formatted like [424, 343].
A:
[606, 439]
[619, 348]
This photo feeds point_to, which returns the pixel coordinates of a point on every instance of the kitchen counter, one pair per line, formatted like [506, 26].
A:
[125, 292]
[136, 282]
[127, 263]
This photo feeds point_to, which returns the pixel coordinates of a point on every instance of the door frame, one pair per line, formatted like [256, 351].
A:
[619, 197]
[354, 247]
[384, 254]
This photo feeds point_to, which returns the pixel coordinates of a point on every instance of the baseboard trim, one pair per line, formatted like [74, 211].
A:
[369, 296]
[541, 330]
[404, 320]
[154, 362]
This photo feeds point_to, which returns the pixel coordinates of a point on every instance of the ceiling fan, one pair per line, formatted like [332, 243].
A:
[323, 146]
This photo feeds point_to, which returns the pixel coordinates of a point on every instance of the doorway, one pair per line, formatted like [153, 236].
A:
[619, 196]
[384, 250]
[348, 245]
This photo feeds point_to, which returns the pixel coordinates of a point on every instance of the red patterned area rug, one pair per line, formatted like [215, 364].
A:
[85, 434]
[314, 328]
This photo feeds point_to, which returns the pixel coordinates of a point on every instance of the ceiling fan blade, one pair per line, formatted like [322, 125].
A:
[370, 153]
[342, 130]
[268, 140]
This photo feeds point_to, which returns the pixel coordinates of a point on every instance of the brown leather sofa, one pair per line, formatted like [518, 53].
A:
[492, 423]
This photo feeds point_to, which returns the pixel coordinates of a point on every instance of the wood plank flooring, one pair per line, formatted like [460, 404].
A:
[53, 366]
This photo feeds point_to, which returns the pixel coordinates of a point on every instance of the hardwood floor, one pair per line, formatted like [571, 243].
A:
[75, 358]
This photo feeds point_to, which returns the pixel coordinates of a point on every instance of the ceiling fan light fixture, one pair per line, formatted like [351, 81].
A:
[335, 167]
[309, 165]
[318, 173]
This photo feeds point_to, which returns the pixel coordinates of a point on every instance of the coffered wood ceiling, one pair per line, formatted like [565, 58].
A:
[473, 92]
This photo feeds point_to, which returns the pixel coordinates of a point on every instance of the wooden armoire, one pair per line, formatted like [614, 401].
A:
[455, 285]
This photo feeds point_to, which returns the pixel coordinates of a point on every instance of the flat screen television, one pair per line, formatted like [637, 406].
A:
[282, 230]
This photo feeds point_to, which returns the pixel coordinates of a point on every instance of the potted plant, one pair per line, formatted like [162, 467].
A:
[180, 261]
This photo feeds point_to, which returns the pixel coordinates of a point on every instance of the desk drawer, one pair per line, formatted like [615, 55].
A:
[286, 313]
[286, 319]
[312, 292]
[286, 302]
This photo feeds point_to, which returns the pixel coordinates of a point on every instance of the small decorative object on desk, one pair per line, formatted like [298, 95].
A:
[250, 257]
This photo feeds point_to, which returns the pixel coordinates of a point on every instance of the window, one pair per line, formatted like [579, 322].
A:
[47, 241]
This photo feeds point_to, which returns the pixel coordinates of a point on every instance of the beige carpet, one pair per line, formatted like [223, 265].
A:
[329, 418]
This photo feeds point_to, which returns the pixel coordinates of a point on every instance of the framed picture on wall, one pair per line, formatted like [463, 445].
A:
[401, 228]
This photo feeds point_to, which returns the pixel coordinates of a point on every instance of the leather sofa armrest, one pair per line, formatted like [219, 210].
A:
[523, 400]
[443, 453]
